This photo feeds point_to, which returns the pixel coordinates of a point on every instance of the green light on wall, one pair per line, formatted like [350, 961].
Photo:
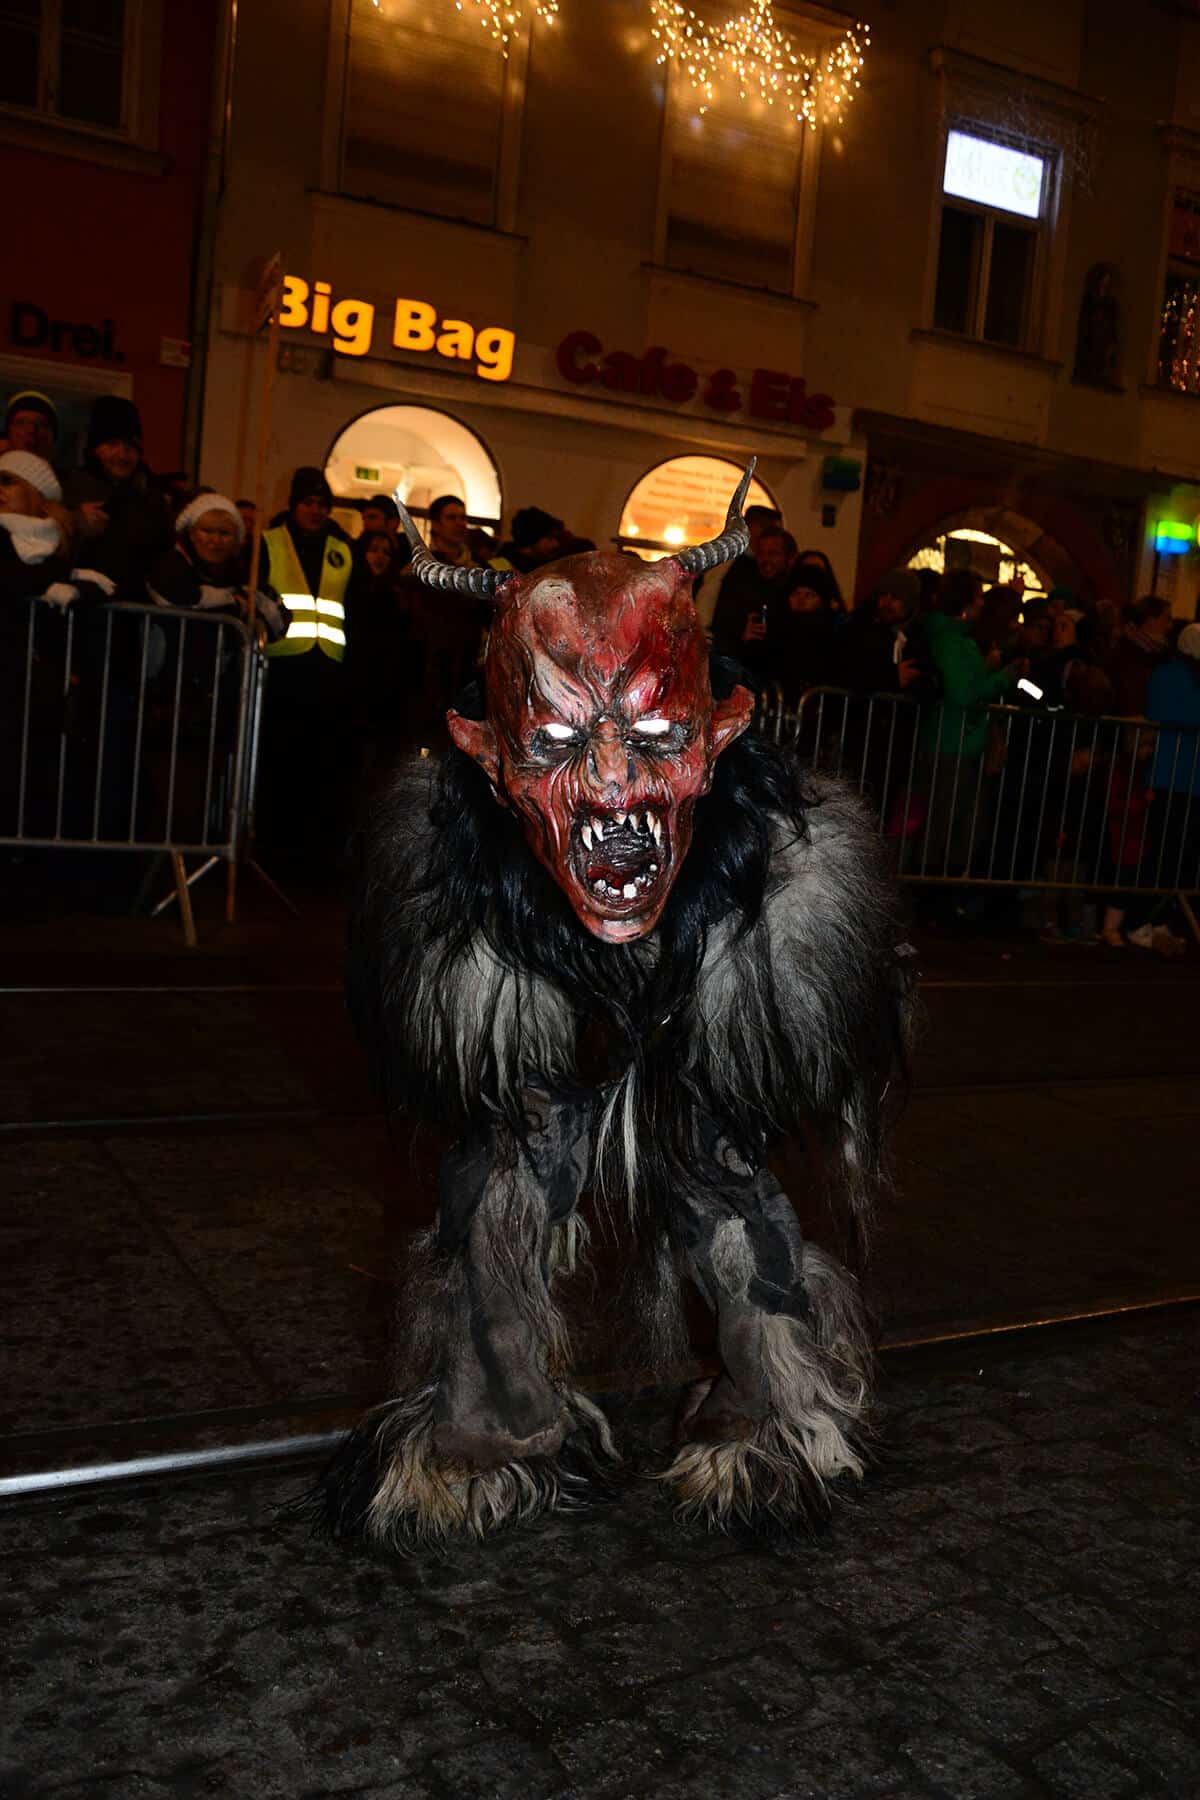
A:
[1172, 538]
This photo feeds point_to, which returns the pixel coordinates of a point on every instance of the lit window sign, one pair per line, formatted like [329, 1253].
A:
[994, 174]
[1172, 539]
[415, 326]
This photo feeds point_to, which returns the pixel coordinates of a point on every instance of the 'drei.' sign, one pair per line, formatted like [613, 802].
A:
[783, 399]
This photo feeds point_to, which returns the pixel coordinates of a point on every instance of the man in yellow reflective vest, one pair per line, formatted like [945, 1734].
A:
[305, 754]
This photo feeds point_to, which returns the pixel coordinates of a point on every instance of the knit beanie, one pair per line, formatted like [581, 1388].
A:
[114, 419]
[206, 503]
[309, 484]
[33, 469]
[31, 401]
[1189, 641]
[531, 523]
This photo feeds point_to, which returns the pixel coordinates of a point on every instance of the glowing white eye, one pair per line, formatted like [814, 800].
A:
[653, 727]
[560, 733]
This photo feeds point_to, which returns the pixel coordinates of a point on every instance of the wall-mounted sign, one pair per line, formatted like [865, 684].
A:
[30, 327]
[415, 326]
[785, 399]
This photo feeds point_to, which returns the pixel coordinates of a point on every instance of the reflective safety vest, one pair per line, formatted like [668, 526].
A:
[318, 621]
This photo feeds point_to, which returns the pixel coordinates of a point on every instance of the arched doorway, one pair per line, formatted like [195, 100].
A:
[415, 453]
[682, 501]
[989, 556]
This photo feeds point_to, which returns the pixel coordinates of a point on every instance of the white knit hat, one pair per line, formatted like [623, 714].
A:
[33, 469]
[1189, 641]
[206, 503]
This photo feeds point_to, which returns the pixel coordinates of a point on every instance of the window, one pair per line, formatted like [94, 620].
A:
[422, 112]
[734, 195]
[67, 60]
[995, 198]
[680, 502]
[415, 453]
[1179, 335]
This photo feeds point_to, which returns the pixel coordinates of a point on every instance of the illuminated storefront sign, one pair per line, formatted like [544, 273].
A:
[768, 394]
[415, 326]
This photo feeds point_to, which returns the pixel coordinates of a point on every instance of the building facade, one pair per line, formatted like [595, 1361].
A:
[106, 118]
[540, 267]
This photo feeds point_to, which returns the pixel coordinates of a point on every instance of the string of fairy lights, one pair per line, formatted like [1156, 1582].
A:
[748, 52]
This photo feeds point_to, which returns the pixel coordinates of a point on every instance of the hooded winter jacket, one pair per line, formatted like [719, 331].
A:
[968, 686]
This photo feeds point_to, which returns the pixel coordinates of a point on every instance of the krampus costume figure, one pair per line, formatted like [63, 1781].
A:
[626, 949]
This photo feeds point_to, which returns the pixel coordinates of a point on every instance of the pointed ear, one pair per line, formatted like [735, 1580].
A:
[730, 718]
[476, 739]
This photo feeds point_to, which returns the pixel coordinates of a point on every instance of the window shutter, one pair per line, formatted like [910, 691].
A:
[735, 186]
[424, 94]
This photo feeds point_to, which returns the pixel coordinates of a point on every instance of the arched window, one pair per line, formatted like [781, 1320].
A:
[989, 556]
[415, 453]
[683, 501]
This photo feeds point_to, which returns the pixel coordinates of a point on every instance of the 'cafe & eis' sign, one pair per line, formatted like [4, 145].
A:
[785, 399]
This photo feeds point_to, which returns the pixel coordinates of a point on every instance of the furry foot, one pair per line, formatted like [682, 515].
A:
[766, 1468]
[768, 1478]
[390, 1484]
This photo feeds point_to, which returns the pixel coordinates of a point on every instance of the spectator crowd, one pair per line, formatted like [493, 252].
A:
[364, 659]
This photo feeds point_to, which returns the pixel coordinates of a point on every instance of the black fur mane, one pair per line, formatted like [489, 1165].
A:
[481, 881]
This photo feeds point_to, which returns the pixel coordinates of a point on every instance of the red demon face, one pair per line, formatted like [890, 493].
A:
[601, 729]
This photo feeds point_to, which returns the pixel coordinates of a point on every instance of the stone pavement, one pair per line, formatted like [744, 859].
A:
[1011, 1611]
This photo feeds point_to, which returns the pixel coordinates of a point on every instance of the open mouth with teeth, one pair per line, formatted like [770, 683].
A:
[621, 858]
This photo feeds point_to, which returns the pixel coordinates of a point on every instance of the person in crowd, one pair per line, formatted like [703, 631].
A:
[1051, 667]
[248, 514]
[448, 528]
[31, 424]
[38, 562]
[304, 760]
[799, 648]
[1139, 649]
[828, 583]
[381, 514]
[727, 578]
[206, 568]
[37, 559]
[536, 538]
[953, 733]
[379, 658]
[447, 627]
[931, 593]
[1000, 621]
[120, 508]
[1173, 698]
[880, 649]
[746, 609]
[198, 675]
[1129, 799]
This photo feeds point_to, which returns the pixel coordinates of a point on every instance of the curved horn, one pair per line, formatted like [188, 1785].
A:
[481, 583]
[733, 540]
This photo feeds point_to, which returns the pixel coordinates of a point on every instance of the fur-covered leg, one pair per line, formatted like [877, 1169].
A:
[758, 1448]
[493, 1435]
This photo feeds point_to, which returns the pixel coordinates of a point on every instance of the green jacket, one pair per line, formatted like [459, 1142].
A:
[959, 723]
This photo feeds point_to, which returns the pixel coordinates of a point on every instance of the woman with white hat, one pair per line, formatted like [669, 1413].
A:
[35, 548]
[205, 570]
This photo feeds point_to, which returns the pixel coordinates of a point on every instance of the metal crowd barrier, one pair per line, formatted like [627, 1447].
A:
[128, 727]
[1008, 795]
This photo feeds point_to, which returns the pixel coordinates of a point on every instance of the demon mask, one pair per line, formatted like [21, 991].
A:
[601, 730]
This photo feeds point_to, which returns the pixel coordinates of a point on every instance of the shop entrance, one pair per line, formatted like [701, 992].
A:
[682, 502]
[415, 453]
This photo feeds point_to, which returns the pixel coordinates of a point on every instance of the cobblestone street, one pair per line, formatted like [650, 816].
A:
[1009, 1610]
